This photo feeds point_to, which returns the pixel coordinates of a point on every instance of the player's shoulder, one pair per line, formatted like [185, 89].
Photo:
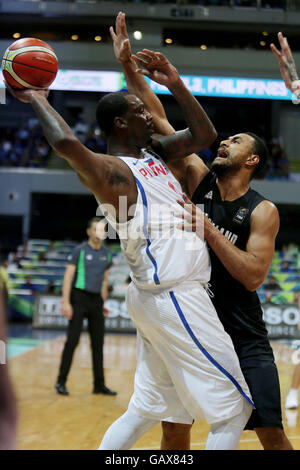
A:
[265, 215]
[265, 206]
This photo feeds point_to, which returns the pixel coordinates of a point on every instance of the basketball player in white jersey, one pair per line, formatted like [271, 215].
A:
[187, 368]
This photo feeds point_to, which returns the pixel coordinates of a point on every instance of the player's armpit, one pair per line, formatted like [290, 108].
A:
[189, 171]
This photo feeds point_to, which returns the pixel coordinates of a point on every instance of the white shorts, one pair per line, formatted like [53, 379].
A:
[187, 368]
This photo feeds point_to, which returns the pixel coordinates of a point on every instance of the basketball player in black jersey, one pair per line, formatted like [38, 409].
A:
[240, 227]
[241, 236]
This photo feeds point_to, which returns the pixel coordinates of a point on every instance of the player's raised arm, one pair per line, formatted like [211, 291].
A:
[286, 64]
[105, 176]
[200, 133]
[188, 171]
[136, 83]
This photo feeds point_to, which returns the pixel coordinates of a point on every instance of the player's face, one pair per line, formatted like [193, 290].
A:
[140, 126]
[233, 153]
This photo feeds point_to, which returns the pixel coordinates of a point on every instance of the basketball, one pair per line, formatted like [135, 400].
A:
[29, 63]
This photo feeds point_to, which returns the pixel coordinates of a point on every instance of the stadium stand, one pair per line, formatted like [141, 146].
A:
[30, 277]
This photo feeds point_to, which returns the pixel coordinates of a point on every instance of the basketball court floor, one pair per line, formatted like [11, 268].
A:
[48, 421]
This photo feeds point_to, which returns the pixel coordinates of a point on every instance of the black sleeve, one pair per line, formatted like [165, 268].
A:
[204, 187]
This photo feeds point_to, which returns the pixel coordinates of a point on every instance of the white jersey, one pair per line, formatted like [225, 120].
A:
[159, 254]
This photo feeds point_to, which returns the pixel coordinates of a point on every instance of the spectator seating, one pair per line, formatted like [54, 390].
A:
[288, 277]
[30, 276]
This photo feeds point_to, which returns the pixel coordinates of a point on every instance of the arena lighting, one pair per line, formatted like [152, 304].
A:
[137, 35]
[211, 86]
[265, 33]
[262, 43]
[98, 38]
[74, 37]
[169, 41]
[16, 35]
[203, 47]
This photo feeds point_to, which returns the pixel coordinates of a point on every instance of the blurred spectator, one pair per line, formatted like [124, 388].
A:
[28, 285]
[51, 253]
[278, 165]
[80, 129]
[50, 288]
[288, 252]
[14, 261]
[24, 146]
[23, 250]
[272, 285]
[285, 267]
[43, 256]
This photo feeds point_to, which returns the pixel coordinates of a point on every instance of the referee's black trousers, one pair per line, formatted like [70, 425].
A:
[90, 306]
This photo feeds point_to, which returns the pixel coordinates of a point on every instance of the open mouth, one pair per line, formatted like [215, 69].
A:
[222, 153]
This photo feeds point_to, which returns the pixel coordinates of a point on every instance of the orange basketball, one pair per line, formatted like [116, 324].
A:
[29, 63]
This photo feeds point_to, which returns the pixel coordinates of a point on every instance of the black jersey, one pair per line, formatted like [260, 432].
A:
[238, 309]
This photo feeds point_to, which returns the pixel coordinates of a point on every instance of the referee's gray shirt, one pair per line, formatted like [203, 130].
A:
[90, 267]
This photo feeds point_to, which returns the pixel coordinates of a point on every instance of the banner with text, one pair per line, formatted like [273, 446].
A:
[281, 320]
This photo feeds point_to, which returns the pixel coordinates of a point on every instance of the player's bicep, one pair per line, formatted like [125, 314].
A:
[263, 232]
[86, 163]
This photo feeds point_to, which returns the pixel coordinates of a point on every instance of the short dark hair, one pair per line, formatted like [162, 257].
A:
[260, 149]
[109, 107]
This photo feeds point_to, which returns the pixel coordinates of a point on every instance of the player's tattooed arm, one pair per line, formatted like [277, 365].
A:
[286, 64]
[105, 176]
[200, 133]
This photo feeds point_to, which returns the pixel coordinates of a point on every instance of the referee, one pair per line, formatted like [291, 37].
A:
[85, 274]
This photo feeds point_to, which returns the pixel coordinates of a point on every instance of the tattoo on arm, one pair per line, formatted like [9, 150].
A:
[291, 68]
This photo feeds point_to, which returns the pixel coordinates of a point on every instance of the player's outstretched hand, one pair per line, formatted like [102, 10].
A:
[25, 95]
[286, 63]
[157, 67]
[193, 219]
[120, 39]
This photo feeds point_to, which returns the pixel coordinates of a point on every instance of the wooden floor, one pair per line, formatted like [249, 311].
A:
[48, 421]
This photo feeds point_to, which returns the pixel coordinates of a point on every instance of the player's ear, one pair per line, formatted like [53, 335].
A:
[252, 160]
[120, 122]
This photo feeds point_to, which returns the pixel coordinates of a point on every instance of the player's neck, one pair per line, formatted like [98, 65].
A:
[232, 187]
[123, 149]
